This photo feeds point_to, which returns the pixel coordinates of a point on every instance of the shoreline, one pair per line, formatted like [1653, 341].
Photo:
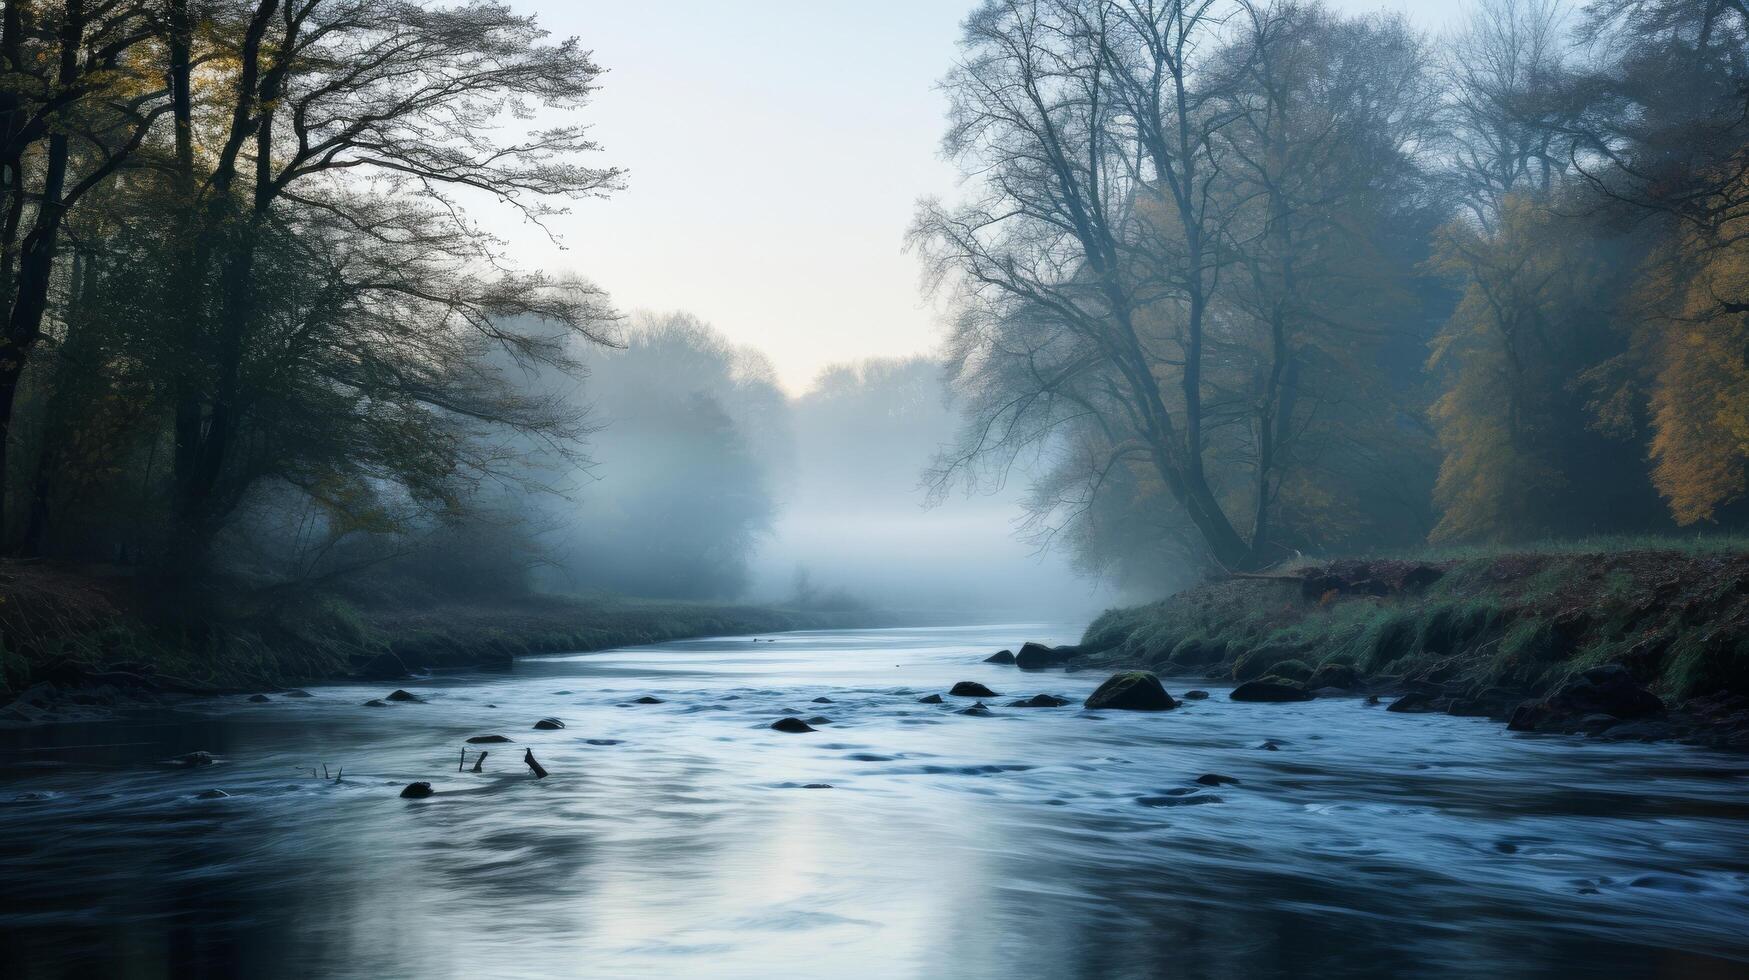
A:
[1646, 645]
[76, 647]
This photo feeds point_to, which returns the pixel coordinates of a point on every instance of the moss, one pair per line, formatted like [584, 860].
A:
[1296, 670]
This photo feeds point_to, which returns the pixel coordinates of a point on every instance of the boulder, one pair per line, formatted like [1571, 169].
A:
[1215, 779]
[399, 695]
[930, 699]
[416, 791]
[1413, 703]
[1590, 701]
[1040, 701]
[298, 693]
[259, 698]
[976, 710]
[972, 689]
[647, 699]
[1037, 656]
[1608, 690]
[794, 726]
[1195, 695]
[487, 740]
[376, 703]
[1137, 690]
[1270, 689]
[1001, 657]
[548, 725]
[823, 700]
[212, 794]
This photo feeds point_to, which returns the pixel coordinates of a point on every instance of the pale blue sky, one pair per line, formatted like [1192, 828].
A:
[776, 149]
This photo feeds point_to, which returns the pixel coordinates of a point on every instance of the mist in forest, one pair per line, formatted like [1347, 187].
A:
[705, 480]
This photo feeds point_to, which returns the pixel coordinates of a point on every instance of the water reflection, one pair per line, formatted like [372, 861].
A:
[1036, 842]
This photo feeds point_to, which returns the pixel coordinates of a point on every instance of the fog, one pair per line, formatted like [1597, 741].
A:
[704, 480]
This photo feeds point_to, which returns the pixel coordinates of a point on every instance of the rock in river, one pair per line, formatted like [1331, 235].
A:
[399, 695]
[416, 791]
[1271, 689]
[794, 726]
[647, 699]
[930, 699]
[1214, 779]
[977, 710]
[1040, 701]
[259, 698]
[971, 689]
[1137, 690]
[1002, 657]
[1415, 704]
[549, 725]
[1037, 656]
[488, 739]
[1195, 695]
[1607, 690]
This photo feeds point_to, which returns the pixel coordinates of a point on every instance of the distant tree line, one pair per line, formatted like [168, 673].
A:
[243, 297]
[1258, 278]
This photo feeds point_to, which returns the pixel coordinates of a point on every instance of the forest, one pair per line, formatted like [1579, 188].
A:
[1264, 280]
[1227, 283]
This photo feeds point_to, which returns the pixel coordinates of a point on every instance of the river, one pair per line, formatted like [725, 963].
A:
[681, 838]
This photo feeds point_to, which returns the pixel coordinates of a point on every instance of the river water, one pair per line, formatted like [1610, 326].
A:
[679, 838]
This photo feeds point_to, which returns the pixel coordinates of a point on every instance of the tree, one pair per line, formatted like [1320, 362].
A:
[1176, 262]
[345, 125]
[77, 99]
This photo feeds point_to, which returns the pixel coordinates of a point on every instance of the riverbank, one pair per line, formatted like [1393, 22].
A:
[1643, 643]
[77, 643]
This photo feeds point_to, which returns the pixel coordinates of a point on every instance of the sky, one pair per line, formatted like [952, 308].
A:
[776, 149]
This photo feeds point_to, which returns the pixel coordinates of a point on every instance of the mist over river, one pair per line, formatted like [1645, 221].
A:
[680, 838]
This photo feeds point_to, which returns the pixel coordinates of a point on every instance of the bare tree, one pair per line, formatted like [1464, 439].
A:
[1088, 263]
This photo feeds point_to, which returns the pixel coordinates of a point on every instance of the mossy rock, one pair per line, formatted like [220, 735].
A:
[1294, 670]
[1137, 690]
[1271, 689]
[1263, 660]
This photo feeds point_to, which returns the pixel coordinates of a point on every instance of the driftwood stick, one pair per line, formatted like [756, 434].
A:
[535, 767]
[462, 762]
[481, 761]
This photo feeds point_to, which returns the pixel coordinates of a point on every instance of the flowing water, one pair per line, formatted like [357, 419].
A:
[682, 838]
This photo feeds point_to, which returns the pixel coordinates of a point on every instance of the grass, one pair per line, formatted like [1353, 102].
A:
[1674, 611]
[66, 624]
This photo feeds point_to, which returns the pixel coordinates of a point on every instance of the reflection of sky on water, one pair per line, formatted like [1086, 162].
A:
[1038, 842]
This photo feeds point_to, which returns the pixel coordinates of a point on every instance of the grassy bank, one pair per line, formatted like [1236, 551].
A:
[82, 627]
[1476, 624]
